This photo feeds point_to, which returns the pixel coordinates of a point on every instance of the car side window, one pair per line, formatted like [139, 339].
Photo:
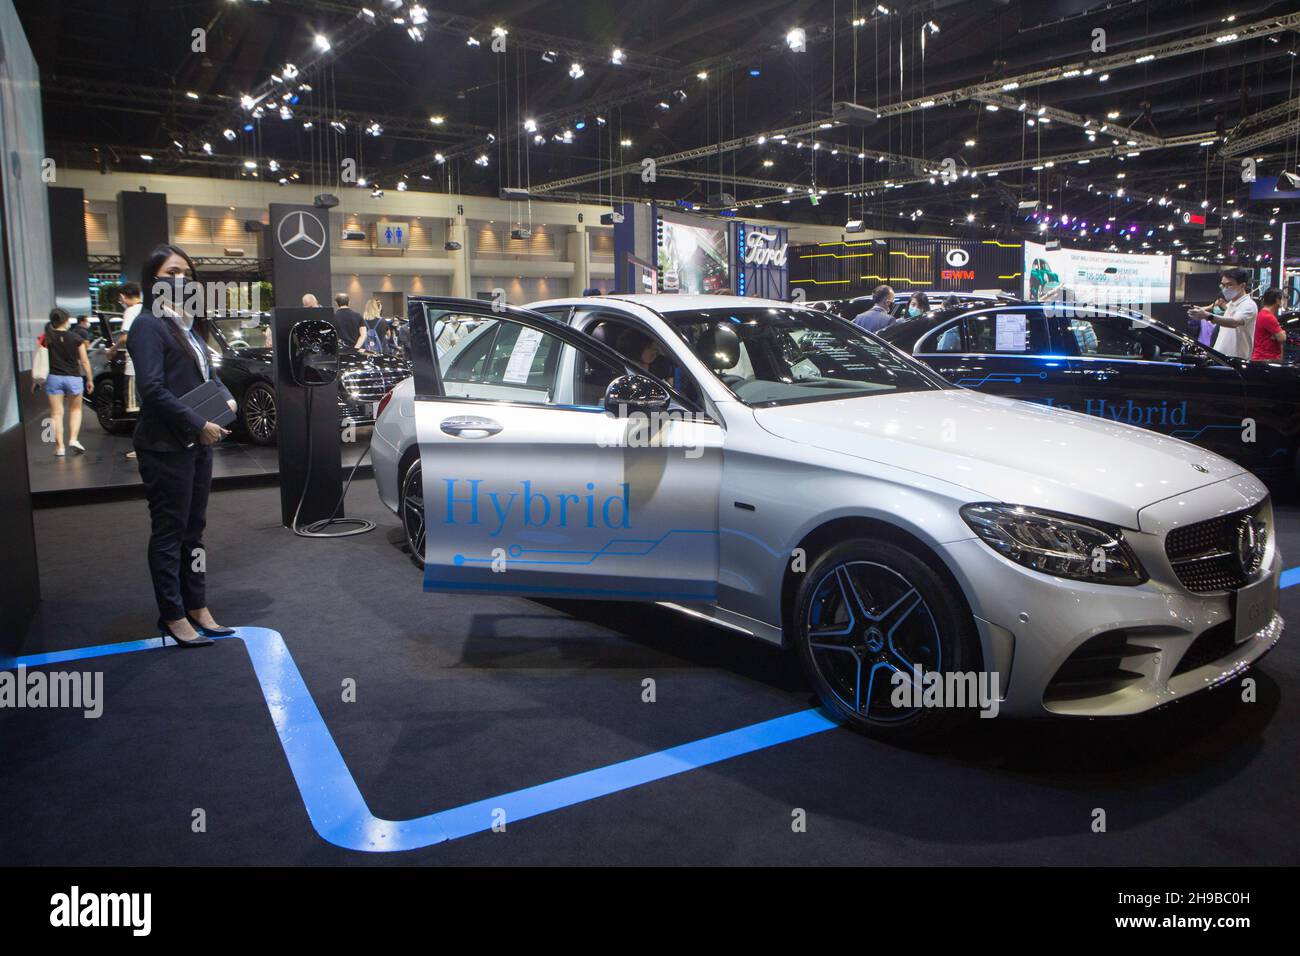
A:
[942, 340]
[1021, 331]
[1121, 337]
[503, 360]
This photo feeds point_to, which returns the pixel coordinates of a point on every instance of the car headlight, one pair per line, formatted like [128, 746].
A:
[1059, 545]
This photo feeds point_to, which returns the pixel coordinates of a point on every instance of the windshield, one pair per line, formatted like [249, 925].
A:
[775, 356]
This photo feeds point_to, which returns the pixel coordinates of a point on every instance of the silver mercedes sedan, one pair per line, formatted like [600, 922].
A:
[930, 553]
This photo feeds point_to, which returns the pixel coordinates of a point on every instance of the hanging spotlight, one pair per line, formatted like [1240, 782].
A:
[286, 113]
[247, 101]
[680, 94]
[932, 26]
[419, 16]
[321, 42]
[617, 57]
[207, 148]
[625, 143]
[471, 41]
[797, 40]
[273, 166]
[439, 158]
[437, 120]
[539, 140]
[401, 186]
[229, 134]
[374, 129]
[307, 124]
[482, 160]
[600, 120]
[415, 33]
[290, 71]
[530, 126]
[491, 137]
[550, 56]
[575, 71]
[338, 127]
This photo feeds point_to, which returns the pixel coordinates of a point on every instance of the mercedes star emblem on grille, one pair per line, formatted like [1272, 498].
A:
[1252, 538]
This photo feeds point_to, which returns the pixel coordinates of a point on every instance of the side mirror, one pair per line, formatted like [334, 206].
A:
[1194, 355]
[635, 393]
[314, 353]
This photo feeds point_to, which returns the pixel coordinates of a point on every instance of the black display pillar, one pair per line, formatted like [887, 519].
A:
[68, 250]
[319, 472]
[141, 225]
[297, 237]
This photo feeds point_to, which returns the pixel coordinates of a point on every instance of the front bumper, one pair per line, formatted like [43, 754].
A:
[1031, 624]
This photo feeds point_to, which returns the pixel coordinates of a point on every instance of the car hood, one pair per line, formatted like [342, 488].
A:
[1005, 450]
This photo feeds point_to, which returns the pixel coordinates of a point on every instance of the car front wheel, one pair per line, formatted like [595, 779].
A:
[869, 616]
[259, 413]
[411, 510]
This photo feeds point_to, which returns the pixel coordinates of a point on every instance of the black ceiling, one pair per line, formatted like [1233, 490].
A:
[118, 78]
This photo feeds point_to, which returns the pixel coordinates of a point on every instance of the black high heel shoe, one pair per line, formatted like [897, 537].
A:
[180, 642]
[210, 631]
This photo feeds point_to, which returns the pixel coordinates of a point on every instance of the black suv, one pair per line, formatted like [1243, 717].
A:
[1120, 366]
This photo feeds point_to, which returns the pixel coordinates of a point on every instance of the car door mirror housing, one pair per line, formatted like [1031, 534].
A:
[635, 393]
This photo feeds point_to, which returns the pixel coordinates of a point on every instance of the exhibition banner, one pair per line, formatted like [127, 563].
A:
[1087, 277]
[854, 267]
[692, 254]
[762, 261]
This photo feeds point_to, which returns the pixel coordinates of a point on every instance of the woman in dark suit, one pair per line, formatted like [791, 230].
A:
[173, 443]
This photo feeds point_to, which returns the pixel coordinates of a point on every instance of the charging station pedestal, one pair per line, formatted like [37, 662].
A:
[324, 481]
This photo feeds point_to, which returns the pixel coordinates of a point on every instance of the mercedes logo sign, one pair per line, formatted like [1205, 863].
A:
[957, 258]
[1252, 539]
[301, 235]
[1187, 219]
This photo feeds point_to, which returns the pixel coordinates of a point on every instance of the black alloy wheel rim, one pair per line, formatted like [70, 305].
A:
[413, 511]
[866, 622]
[259, 412]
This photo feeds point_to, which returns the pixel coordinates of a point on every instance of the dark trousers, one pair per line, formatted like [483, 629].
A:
[176, 484]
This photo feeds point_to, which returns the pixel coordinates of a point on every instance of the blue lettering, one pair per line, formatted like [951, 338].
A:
[502, 513]
[452, 500]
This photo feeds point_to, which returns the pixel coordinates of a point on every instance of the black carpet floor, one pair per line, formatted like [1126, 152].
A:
[461, 698]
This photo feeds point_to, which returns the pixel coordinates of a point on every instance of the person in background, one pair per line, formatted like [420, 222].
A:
[174, 444]
[877, 317]
[1269, 337]
[1236, 335]
[639, 348]
[69, 377]
[129, 296]
[917, 305]
[375, 329]
[82, 328]
[350, 325]
[309, 301]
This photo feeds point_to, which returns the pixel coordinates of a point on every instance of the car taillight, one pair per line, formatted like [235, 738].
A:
[383, 402]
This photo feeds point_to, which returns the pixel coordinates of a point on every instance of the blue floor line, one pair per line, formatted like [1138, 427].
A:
[334, 803]
[338, 811]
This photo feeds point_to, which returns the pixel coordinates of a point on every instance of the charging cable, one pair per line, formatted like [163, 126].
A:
[317, 528]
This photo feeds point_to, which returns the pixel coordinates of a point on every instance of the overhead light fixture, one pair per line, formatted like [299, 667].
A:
[500, 32]
[932, 26]
[576, 71]
[415, 33]
[616, 56]
[550, 56]
[530, 126]
[374, 129]
[191, 94]
[147, 157]
[797, 40]
[471, 41]
[539, 140]
[625, 143]
[439, 158]
[401, 186]
[482, 160]
[321, 42]
[337, 126]
[207, 148]
[307, 124]
[229, 134]
[437, 120]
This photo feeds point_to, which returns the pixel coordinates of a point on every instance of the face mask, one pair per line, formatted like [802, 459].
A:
[171, 291]
[1231, 294]
[913, 311]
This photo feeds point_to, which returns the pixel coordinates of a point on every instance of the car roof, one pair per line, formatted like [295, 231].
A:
[666, 303]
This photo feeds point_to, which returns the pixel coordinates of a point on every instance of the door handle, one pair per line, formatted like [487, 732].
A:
[470, 426]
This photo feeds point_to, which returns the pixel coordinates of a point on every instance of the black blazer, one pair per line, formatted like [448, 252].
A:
[166, 367]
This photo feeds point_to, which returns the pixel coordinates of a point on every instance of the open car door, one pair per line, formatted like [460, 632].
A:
[533, 486]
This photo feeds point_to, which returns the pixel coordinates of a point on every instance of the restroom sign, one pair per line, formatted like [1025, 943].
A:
[392, 235]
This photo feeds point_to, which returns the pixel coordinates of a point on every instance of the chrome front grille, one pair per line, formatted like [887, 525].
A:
[371, 384]
[1205, 555]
